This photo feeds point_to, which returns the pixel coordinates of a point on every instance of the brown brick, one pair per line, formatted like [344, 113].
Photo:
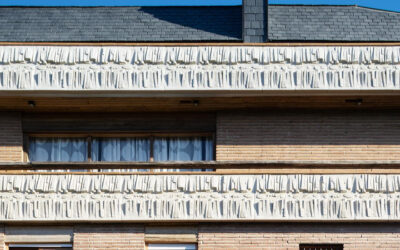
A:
[308, 135]
[107, 237]
[2, 240]
[290, 236]
[11, 137]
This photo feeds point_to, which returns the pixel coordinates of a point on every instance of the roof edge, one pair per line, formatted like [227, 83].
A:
[198, 6]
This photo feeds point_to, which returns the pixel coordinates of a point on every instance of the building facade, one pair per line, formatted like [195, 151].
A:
[245, 127]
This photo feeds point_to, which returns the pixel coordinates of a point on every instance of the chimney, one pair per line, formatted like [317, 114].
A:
[254, 18]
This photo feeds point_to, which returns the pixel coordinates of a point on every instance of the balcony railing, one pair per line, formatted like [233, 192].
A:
[234, 191]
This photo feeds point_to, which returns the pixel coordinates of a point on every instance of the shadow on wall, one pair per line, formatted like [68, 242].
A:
[223, 21]
[303, 228]
[310, 128]
[11, 138]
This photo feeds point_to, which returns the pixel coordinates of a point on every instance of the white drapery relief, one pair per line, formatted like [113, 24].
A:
[199, 68]
[202, 197]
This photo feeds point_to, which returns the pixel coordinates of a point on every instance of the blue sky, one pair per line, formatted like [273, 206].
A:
[380, 4]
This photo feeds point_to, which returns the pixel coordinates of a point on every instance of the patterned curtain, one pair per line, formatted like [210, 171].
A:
[58, 150]
[183, 149]
[180, 149]
[120, 150]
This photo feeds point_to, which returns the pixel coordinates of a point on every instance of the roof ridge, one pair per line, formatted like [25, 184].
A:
[197, 6]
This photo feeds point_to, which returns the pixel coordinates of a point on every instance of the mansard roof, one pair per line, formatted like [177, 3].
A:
[194, 24]
[332, 23]
[122, 24]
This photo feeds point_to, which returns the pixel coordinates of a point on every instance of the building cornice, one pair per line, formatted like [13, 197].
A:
[205, 68]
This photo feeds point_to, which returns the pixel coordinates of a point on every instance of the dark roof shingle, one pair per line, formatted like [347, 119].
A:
[209, 23]
[332, 23]
[37, 24]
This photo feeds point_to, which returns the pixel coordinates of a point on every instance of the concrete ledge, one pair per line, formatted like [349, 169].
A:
[198, 68]
[138, 198]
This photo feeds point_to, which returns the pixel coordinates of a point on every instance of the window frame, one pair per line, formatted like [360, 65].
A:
[147, 247]
[90, 136]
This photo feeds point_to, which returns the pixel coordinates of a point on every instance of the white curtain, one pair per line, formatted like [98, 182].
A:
[183, 149]
[180, 149]
[120, 150]
[58, 150]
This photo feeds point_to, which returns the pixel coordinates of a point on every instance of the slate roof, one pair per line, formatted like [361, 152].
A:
[332, 23]
[120, 24]
[212, 23]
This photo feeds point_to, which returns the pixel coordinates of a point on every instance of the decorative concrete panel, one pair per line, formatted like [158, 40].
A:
[34, 197]
[192, 68]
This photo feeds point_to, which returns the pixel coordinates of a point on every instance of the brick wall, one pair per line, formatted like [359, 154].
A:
[278, 236]
[252, 236]
[308, 135]
[107, 237]
[2, 240]
[11, 138]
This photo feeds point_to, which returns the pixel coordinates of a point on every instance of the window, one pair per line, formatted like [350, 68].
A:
[108, 148]
[183, 149]
[58, 149]
[40, 247]
[321, 246]
[120, 149]
[171, 247]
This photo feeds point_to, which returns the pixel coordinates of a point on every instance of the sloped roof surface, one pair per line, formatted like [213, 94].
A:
[212, 23]
[120, 24]
[332, 23]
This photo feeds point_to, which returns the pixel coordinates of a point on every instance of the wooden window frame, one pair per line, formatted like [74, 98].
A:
[89, 137]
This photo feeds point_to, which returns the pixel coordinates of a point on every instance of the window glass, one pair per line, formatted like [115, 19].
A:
[172, 247]
[321, 247]
[120, 149]
[40, 247]
[58, 149]
[183, 149]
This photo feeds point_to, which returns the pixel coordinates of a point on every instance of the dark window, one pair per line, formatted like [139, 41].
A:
[57, 149]
[171, 246]
[40, 248]
[120, 149]
[116, 149]
[321, 246]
